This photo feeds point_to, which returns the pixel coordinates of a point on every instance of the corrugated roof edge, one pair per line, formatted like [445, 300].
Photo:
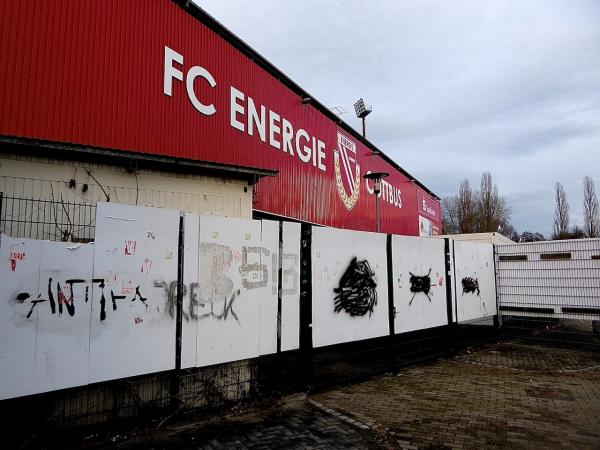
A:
[263, 62]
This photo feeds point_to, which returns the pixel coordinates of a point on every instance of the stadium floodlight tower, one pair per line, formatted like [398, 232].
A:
[376, 177]
[362, 111]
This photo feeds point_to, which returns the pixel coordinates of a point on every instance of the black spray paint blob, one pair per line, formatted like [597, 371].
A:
[420, 284]
[356, 293]
[470, 285]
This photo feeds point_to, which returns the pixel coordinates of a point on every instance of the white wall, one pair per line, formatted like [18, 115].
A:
[332, 253]
[36, 177]
[419, 257]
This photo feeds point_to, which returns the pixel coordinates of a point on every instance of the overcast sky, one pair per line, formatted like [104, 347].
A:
[457, 87]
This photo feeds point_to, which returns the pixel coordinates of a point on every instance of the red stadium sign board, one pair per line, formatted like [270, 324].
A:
[157, 80]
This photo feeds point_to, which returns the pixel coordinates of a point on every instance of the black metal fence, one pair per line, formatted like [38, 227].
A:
[55, 220]
[550, 292]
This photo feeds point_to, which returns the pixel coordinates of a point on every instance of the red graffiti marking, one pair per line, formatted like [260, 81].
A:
[62, 298]
[130, 248]
[127, 287]
[14, 257]
[237, 256]
[146, 265]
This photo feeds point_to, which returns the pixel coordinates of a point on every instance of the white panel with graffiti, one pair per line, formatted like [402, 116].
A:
[475, 290]
[189, 323]
[229, 290]
[19, 278]
[63, 315]
[419, 283]
[133, 309]
[349, 286]
[269, 268]
[290, 287]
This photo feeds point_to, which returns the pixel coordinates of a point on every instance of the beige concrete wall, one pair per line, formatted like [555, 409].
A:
[26, 176]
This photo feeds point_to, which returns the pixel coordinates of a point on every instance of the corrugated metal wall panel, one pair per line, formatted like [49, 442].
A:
[91, 73]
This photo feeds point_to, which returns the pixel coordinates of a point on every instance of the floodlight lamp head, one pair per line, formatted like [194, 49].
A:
[361, 109]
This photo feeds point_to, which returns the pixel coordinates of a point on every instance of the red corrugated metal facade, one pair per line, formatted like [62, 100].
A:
[93, 73]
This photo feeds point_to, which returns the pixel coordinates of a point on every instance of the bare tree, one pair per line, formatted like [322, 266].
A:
[466, 208]
[529, 236]
[591, 211]
[450, 214]
[493, 212]
[561, 213]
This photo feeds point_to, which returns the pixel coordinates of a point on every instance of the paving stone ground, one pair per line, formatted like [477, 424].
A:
[292, 422]
[499, 396]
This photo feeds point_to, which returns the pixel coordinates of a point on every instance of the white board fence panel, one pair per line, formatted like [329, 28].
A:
[20, 275]
[229, 291]
[290, 287]
[423, 258]
[133, 320]
[361, 311]
[475, 289]
[269, 268]
[189, 324]
[62, 350]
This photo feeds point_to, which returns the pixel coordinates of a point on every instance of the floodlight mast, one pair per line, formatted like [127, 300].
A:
[362, 111]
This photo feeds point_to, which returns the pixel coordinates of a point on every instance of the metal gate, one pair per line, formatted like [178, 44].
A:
[549, 292]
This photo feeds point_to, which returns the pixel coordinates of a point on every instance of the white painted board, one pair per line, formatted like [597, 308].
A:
[474, 262]
[189, 324]
[19, 278]
[452, 280]
[418, 264]
[269, 267]
[290, 287]
[364, 313]
[230, 276]
[63, 336]
[136, 256]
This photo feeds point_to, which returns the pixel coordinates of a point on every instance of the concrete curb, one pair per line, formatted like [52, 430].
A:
[354, 422]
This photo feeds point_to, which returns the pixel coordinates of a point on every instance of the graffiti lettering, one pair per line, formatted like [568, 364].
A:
[227, 309]
[290, 273]
[66, 297]
[256, 272]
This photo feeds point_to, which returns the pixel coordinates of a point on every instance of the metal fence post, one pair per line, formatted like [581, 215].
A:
[449, 280]
[497, 317]
[1, 201]
[175, 388]
[306, 342]
[391, 306]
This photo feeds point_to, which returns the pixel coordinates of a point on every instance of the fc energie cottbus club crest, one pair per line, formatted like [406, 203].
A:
[347, 171]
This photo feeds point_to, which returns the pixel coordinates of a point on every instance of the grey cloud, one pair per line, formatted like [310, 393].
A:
[457, 87]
